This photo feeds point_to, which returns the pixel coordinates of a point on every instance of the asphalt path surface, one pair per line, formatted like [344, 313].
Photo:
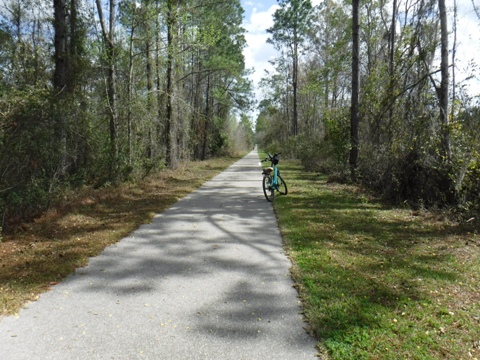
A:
[207, 279]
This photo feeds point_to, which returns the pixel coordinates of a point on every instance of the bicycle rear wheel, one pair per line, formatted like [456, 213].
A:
[282, 186]
[267, 188]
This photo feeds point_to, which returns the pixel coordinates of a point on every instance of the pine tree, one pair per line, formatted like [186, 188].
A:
[291, 24]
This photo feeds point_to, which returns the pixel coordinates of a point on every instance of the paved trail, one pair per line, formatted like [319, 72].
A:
[207, 279]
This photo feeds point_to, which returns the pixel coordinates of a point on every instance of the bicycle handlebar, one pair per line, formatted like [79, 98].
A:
[270, 157]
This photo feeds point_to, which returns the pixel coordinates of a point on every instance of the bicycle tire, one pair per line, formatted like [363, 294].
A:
[267, 188]
[282, 186]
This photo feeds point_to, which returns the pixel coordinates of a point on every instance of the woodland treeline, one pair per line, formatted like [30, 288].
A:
[371, 90]
[101, 91]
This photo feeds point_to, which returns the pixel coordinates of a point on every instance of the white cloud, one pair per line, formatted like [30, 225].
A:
[467, 44]
[260, 18]
[259, 52]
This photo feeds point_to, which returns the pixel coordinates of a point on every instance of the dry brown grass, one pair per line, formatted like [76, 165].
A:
[45, 251]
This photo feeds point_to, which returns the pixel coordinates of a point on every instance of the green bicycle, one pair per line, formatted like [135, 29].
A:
[272, 181]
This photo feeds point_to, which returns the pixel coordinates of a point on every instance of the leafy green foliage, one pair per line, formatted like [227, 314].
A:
[52, 139]
[28, 156]
[291, 22]
[403, 150]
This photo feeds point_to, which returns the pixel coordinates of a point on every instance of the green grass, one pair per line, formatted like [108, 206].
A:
[379, 282]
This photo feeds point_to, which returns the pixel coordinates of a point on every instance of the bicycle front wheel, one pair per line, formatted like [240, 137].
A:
[282, 186]
[267, 188]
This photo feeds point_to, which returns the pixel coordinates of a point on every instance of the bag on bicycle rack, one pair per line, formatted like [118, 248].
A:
[276, 159]
[267, 171]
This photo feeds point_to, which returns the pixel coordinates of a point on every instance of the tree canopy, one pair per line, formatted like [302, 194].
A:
[96, 92]
[101, 91]
[375, 91]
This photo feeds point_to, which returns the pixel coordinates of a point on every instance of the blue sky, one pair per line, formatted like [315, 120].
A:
[258, 18]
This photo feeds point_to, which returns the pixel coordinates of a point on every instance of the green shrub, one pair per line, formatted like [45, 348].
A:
[29, 156]
[469, 192]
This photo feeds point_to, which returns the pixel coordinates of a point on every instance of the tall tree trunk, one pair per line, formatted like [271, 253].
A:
[354, 114]
[60, 78]
[149, 73]
[295, 88]
[158, 77]
[112, 85]
[392, 38]
[196, 120]
[206, 120]
[60, 26]
[443, 90]
[169, 136]
[109, 39]
[391, 62]
[73, 66]
[454, 54]
[130, 90]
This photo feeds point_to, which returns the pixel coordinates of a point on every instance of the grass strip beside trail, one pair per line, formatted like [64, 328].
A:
[47, 250]
[380, 282]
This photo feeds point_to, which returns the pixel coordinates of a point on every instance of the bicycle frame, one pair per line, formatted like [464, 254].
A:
[275, 176]
[272, 181]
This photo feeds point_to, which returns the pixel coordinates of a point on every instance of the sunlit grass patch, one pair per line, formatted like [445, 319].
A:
[380, 282]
